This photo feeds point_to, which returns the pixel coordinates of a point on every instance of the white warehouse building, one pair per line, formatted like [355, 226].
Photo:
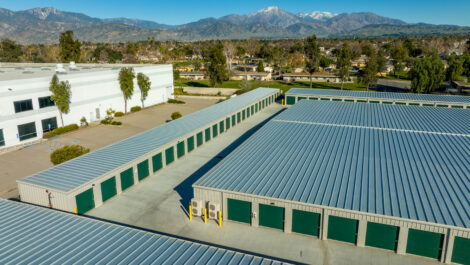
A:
[26, 111]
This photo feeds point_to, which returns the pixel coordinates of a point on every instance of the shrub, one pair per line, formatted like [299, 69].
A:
[105, 122]
[83, 122]
[175, 101]
[176, 115]
[67, 152]
[116, 123]
[135, 109]
[61, 130]
[118, 114]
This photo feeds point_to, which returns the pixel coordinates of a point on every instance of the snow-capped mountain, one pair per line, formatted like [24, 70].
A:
[317, 15]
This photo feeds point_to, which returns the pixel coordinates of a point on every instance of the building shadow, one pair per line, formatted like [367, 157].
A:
[185, 189]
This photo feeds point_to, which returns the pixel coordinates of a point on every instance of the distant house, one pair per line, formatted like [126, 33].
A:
[192, 75]
[298, 70]
[249, 67]
[291, 77]
[238, 75]
[185, 68]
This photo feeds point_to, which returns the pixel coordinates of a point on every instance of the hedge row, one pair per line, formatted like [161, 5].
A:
[61, 130]
[67, 152]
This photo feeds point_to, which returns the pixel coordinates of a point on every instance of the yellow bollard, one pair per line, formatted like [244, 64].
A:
[205, 215]
[75, 210]
[190, 213]
[220, 219]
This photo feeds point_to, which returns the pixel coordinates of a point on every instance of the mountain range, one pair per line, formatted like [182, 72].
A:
[43, 25]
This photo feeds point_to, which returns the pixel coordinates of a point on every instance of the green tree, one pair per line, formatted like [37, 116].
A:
[260, 67]
[61, 94]
[381, 61]
[325, 62]
[466, 66]
[197, 66]
[145, 85]
[216, 65]
[126, 82]
[176, 115]
[369, 75]
[367, 50]
[427, 74]
[10, 51]
[455, 68]
[343, 63]
[312, 56]
[399, 54]
[70, 49]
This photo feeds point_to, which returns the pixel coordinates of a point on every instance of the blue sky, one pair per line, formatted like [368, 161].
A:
[183, 11]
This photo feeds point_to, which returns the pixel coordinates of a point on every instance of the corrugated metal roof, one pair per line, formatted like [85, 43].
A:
[76, 172]
[420, 176]
[379, 95]
[33, 235]
[396, 117]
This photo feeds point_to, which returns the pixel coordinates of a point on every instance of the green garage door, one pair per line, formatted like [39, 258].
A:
[190, 144]
[252, 109]
[271, 216]
[382, 236]
[307, 223]
[243, 115]
[256, 107]
[108, 189]
[227, 123]
[169, 155]
[127, 179]
[199, 140]
[180, 149]
[85, 201]
[239, 211]
[143, 170]
[221, 126]
[207, 134]
[157, 162]
[300, 98]
[423, 243]
[239, 117]
[461, 252]
[214, 130]
[234, 121]
[290, 100]
[248, 112]
[342, 229]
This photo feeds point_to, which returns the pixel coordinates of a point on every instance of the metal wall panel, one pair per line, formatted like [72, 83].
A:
[271, 216]
[108, 189]
[85, 201]
[461, 251]
[381, 236]
[307, 223]
[239, 211]
[342, 229]
[157, 162]
[127, 179]
[143, 170]
[423, 243]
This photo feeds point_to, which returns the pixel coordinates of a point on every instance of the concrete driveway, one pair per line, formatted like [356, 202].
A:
[21, 163]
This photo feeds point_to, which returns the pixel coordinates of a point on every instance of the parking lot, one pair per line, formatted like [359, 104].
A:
[21, 163]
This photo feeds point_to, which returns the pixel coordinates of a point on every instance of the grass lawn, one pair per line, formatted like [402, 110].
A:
[284, 86]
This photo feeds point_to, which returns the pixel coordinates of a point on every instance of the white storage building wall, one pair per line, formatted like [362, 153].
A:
[92, 94]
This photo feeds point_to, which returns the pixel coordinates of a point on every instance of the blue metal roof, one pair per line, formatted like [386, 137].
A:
[34, 235]
[76, 172]
[416, 175]
[394, 117]
[379, 95]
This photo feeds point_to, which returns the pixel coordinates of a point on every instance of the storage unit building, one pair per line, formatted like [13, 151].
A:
[296, 94]
[34, 235]
[86, 182]
[384, 176]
